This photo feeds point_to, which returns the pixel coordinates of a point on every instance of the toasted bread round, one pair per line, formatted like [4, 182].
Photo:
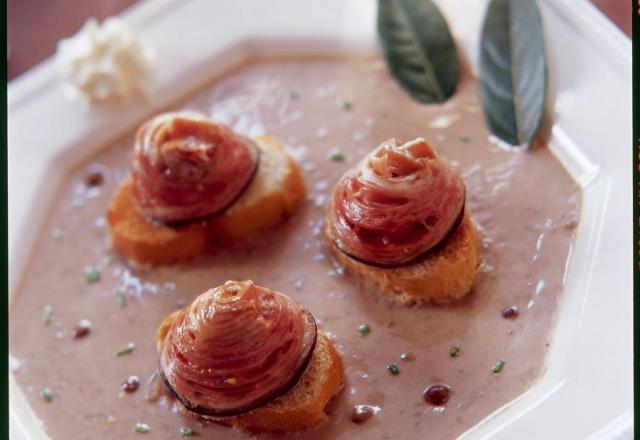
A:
[274, 193]
[300, 408]
[443, 275]
[303, 406]
[147, 242]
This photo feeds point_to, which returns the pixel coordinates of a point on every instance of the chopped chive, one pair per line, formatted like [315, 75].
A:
[364, 329]
[47, 315]
[57, 234]
[122, 297]
[91, 274]
[47, 394]
[454, 351]
[464, 138]
[336, 155]
[393, 368]
[126, 350]
[187, 432]
[347, 105]
[293, 95]
[142, 428]
[497, 367]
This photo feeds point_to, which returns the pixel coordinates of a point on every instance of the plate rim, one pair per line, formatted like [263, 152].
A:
[24, 91]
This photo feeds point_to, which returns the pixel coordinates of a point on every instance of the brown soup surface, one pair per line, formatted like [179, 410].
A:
[524, 203]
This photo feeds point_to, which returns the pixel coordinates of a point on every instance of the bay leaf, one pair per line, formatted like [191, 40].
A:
[513, 70]
[418, 48]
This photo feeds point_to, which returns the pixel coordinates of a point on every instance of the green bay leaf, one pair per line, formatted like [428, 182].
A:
[513, 71]
[418, 48]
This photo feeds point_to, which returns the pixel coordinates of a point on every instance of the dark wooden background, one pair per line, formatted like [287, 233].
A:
[35, 26]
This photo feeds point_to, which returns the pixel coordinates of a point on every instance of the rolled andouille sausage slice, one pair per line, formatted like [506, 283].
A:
[398, 203]
[185, 167]
[236, 348]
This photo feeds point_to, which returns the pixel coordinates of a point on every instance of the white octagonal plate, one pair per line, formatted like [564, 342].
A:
[587, 389]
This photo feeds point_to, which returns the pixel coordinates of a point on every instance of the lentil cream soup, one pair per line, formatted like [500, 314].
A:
[83, 320]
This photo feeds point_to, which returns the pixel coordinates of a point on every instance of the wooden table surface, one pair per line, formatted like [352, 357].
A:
[35, 26]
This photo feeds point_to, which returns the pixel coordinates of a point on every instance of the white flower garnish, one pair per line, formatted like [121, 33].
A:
[105, 62]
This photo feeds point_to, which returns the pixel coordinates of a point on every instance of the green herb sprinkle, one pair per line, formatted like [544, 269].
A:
[91, 274]
[126, 350]
[47, 394]
[336, 155]
[497, 367]
[47, 315]
[187, 432]
[142, 428]
[364, 329]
